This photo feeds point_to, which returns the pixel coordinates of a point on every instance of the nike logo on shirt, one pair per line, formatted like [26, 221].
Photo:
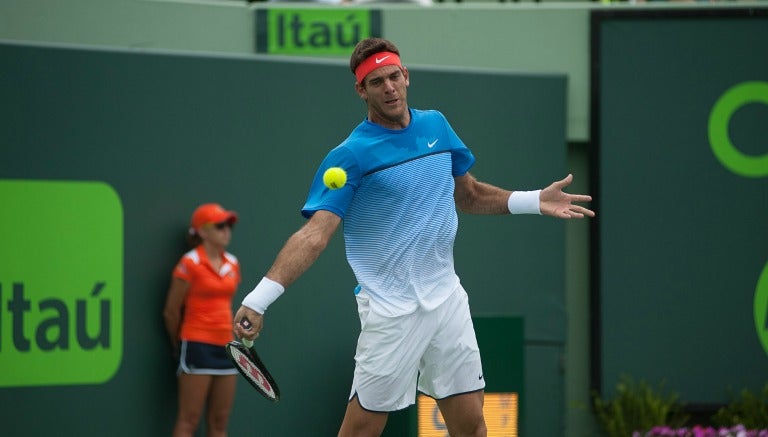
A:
[432, 144]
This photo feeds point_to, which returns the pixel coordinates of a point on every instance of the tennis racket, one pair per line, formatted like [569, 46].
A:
[248, 363]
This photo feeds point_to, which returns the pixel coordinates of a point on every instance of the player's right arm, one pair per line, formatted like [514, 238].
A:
[172, 312]
[296, 257]
[304, 247]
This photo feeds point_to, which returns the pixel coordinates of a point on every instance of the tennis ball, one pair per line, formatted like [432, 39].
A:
[335, 178]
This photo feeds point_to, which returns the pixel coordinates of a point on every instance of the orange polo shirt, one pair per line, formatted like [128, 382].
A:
[208, 304]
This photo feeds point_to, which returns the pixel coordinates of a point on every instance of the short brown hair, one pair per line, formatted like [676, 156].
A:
[367, 47]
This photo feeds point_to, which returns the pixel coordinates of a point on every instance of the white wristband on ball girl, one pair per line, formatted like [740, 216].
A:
[524, 202]
[266, 292]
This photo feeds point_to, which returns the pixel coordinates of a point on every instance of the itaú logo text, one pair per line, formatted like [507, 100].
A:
[54, 324]
[321, 31]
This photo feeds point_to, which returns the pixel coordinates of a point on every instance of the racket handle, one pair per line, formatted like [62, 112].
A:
[246, 324]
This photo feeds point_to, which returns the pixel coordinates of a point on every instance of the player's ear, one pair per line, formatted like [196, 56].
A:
[360, 89]
[406, 75]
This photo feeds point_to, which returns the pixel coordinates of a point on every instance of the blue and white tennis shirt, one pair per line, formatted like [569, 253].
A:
[398, 209]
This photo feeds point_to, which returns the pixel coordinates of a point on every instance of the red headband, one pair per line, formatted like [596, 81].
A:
[375, 61]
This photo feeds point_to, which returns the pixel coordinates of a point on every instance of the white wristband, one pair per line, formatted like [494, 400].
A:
[524, 202]
[266, 292]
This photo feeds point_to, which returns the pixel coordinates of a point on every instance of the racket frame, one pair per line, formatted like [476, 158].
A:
[248, 363]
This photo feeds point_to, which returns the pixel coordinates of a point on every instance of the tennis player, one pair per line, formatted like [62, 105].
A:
[408, 172]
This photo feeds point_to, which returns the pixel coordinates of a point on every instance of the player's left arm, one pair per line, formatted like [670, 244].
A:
[477, 197]
[555, 202]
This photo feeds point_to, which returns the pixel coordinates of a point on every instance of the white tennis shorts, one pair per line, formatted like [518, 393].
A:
[435, 351]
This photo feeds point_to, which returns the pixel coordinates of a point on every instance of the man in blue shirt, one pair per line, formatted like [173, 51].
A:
[407, 173]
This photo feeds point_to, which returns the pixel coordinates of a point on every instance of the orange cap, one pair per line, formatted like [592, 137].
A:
[212, 213]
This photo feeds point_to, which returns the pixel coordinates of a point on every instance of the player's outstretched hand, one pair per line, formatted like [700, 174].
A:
[557, 203]
[256, 319]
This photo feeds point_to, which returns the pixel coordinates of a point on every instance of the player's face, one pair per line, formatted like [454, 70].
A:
[385, 91]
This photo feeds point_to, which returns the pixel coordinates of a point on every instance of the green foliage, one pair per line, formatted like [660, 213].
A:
[637, 407]
[748, 409]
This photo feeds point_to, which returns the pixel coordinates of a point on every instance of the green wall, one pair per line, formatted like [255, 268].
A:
[682, 236]
[167, 132]
[207, 26]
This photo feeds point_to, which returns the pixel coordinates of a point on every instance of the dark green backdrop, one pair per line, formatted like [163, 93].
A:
[170, 131]
[680, 239]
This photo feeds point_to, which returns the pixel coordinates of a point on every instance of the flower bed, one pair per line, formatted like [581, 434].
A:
[700, 431]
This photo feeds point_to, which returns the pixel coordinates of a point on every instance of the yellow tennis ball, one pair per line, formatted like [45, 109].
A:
[335, 178]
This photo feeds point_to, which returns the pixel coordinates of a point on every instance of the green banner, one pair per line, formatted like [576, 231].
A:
[333, 32]
[61, 283]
